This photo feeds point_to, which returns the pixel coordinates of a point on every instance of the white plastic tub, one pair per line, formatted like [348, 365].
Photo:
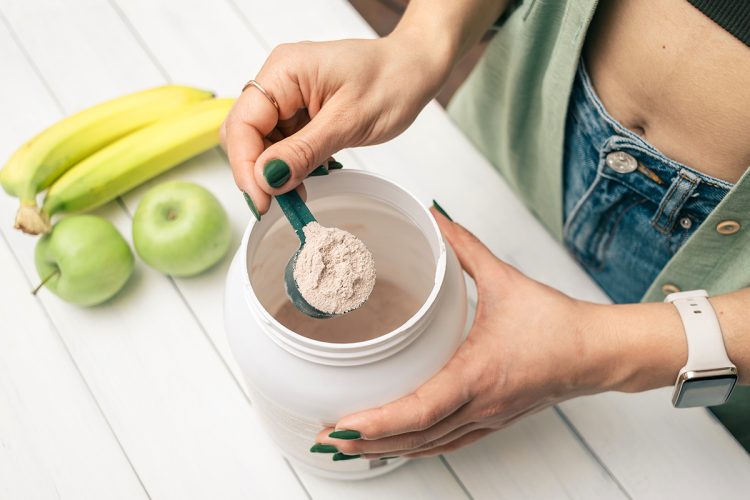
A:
[301, 381]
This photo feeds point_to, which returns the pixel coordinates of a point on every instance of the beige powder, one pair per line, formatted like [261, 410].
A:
[335, 272]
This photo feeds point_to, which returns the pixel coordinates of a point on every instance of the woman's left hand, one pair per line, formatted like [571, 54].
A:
[526, 350]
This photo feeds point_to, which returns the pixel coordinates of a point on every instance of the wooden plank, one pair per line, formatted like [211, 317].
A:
[83, 62]
[179, 415]
[163, 27]
[286, 21]
[539, 457]
[659, 452]
[417, 480]
[54, 441]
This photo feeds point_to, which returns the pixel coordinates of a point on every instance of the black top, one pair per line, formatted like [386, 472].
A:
[732, 15]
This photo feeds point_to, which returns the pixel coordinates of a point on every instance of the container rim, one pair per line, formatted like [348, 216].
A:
[375, 348]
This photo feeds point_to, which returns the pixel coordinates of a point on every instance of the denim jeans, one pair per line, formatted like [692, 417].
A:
[627, 207]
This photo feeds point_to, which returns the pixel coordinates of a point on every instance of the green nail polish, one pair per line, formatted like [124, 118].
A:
[341, 456]
[334, 165]
[345, 434]
[440, 209]
[276, 173]
[388, 458]
[323, 448]
[321, 170]
[251, 205]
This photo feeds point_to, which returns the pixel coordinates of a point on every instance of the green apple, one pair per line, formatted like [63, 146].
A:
[84, 260]
[181, 229]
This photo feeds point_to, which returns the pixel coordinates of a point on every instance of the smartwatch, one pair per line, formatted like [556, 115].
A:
[708, 377]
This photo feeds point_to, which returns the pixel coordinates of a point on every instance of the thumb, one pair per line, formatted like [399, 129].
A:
[286, 163]
[473, 255]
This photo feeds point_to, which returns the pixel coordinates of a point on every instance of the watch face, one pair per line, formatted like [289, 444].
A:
[705, 391]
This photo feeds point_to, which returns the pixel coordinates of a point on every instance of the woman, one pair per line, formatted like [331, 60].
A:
[626, 130]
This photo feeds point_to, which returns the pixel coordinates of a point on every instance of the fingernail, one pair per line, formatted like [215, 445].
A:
[323, 448]
[345, 434]
[251, 205]
[341, 456]
[388, 458]
[321, 170]
[276, 173]
[440, 209]
[334, 165]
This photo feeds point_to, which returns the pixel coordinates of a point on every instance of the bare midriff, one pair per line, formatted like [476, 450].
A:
[670, 74]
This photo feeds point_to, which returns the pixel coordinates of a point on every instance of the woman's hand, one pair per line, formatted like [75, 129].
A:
[530, 346]
[331, 95]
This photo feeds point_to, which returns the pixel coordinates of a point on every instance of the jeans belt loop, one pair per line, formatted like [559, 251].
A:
[678, 193]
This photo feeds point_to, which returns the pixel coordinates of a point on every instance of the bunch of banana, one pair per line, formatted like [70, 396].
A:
[44, 158]
[134, 159]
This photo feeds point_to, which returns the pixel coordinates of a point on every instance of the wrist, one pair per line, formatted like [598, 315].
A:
[730, 309]
[433, 58]
[633, 347]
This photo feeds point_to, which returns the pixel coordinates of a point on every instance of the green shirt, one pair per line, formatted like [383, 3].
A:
[513, 107]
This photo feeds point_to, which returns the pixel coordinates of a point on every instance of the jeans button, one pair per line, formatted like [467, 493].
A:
[686, 223]
[621, 162]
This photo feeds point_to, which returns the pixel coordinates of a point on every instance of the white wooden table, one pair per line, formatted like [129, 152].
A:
[140, 398]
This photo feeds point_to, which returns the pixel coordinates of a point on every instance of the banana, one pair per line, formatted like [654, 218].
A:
[132, 160]
[44, 158]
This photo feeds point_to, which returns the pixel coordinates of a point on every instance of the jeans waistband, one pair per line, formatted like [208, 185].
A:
[657, 174]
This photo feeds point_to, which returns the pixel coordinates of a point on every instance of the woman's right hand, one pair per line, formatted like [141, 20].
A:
[332, 95]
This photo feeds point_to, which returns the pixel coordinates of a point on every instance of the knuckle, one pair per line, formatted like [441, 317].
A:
[304, 155]
[283, 51]
[488, 412]
[278, 51]
[373, 430]
[379, 423]
[426, 417]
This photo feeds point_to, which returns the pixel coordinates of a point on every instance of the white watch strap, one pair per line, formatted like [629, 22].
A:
[706, 349]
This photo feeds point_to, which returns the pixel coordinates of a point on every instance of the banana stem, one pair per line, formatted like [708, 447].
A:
[56, 272]
[31, 220]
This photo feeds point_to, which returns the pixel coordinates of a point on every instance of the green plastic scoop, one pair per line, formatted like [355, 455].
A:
[299, 216]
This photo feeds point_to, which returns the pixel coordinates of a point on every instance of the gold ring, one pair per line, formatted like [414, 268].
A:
[253, 83]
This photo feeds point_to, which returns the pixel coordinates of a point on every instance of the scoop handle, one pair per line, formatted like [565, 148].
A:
[296, 212]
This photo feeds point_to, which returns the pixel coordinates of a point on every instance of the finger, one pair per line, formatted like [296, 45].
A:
[402, 443]
[443, 440]
[451, 436]
[457, 443]
[508, 419]
[436, 399]
[301, 190]
[287, 162]
[251, 119]
[474, 256]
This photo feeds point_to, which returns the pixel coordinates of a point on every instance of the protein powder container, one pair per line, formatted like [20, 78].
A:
[304, 374]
